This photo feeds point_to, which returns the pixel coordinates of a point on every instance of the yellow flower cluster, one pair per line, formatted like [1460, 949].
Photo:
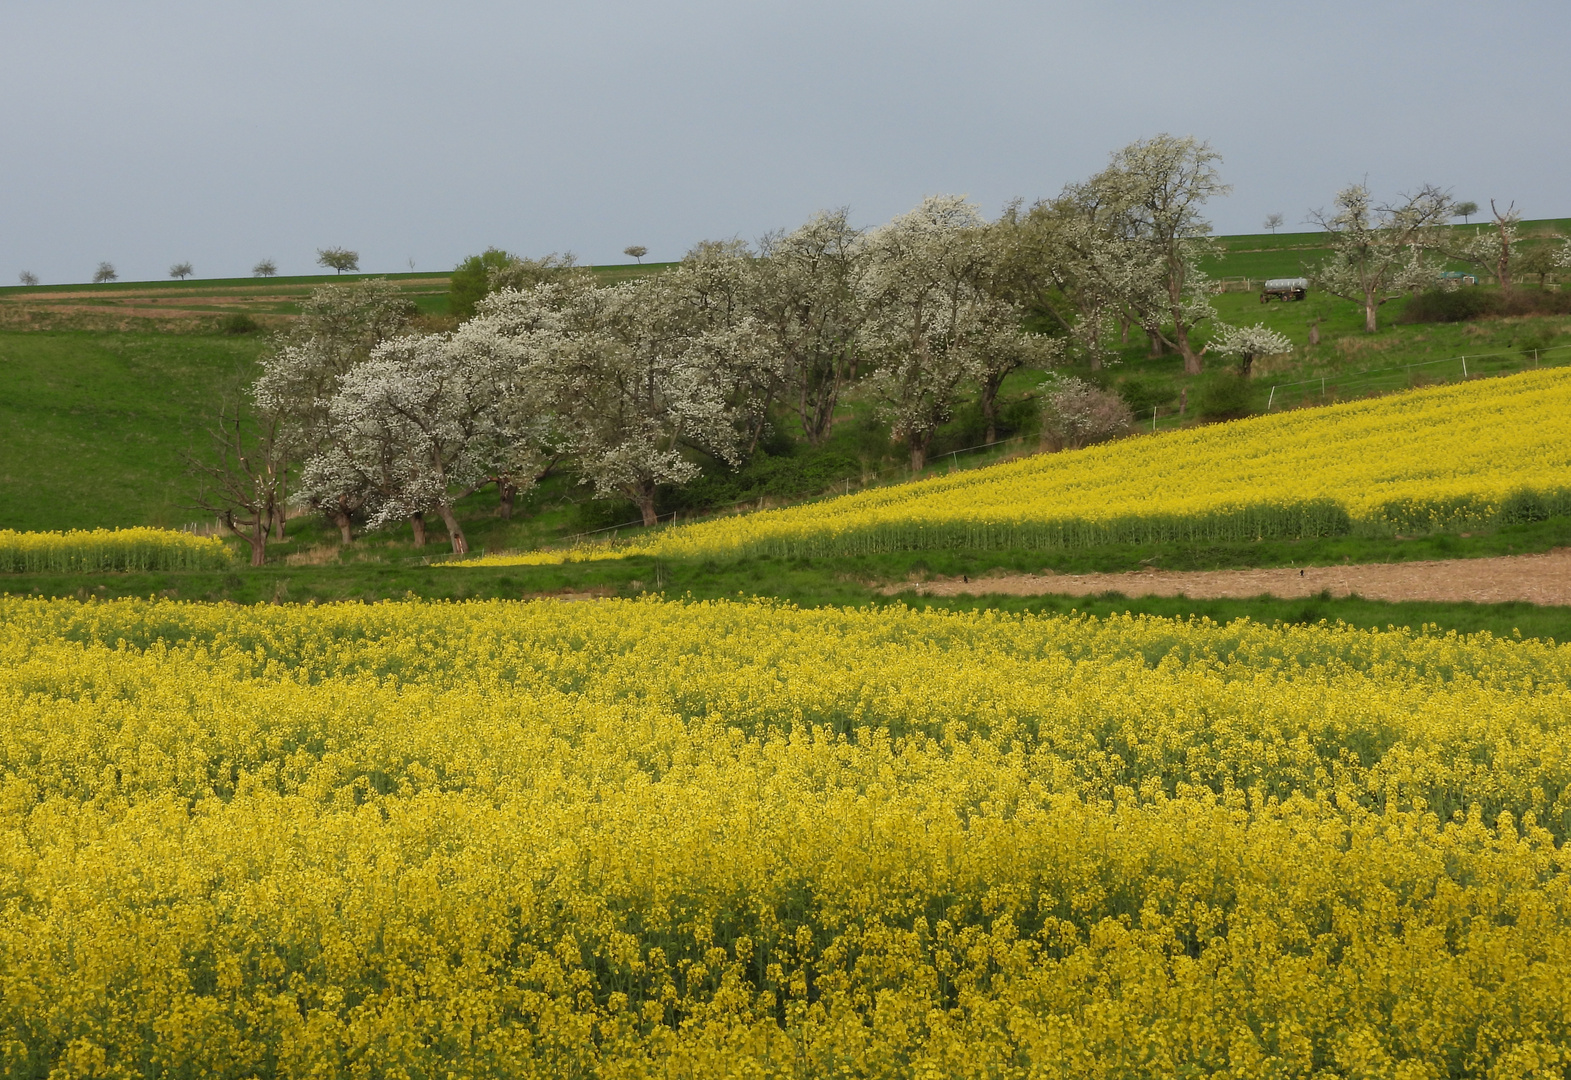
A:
[1469, 452]
[631, 839]
[109, 549]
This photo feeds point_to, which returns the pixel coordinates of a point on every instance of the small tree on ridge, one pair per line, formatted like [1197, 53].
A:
[338, 259]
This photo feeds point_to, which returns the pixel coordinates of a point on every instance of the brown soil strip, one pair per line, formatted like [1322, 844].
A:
[1536, 579]
[570, 595]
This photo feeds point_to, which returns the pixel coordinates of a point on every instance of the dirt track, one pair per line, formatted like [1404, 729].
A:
[1536, 579]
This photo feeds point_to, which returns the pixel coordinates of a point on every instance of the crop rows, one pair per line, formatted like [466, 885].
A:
[638, 838]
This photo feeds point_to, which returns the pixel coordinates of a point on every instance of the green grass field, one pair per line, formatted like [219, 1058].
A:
[93, 425]
[1290, 254]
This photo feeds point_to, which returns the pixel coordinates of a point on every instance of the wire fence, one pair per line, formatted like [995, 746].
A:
[845, 486]
[1344, 385]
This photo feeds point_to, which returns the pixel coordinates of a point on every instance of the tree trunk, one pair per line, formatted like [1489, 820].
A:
[990, 387]
[506, 492]
[341, 519]
[1314, 333]
[1192, 365]
[257, 538]
[256, 534]
[278, 524]
[1156, 343]
[455, 533]
[644, 496]
[816, 406]
[417, 523]
[918, 444]
[1371, 309]
[763, 422]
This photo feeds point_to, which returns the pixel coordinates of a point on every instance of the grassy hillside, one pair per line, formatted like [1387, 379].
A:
[108, 383]
[1289, 254]
[92, 425]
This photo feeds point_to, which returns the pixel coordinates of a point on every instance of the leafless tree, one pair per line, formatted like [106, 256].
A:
[243, 474]
[265, 268]
[181, 270]
[1273, 222]
[1493, 247]
[29, 278]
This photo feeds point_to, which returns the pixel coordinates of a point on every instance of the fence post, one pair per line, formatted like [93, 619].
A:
[1270, 399]
[1322, 386]
[1464, 367]
[1153, 417]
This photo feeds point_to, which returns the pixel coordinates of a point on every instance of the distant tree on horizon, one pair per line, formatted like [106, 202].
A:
[1273, 222]
[265, 268]
[29, 278]
[1464, 210]
[105, 273]
[181, 270]
[637, 251]
[338, 259]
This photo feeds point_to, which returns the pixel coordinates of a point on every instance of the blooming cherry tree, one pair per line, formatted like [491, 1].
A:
[932, 323]
[1247, 343]
[1377, 251]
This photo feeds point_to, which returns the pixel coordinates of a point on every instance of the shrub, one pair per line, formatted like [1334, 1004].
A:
[593, 515]
[1227, 397]
[238, 323]
[1535, 341]
[1143, 395]
[1464, 304]
[1076, 414]
[471, 281]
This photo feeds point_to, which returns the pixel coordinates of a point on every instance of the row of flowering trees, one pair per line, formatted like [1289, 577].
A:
[365, 419]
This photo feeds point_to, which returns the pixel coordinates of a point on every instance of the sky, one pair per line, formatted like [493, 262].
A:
[221, 133]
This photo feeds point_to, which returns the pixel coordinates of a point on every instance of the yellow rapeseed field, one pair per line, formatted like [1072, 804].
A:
[1452, 455]
[109, 549]
[640, 839]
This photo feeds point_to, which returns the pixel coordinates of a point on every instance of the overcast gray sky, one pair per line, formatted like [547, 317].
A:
[148, 133]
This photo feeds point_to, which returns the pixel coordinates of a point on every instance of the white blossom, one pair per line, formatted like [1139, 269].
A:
[1378, 252]
[1247, 343]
